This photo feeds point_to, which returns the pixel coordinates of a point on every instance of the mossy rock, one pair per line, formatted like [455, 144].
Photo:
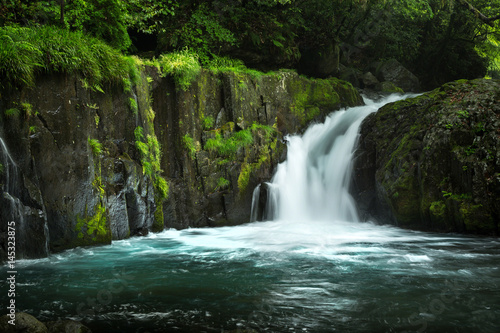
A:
[437, 152]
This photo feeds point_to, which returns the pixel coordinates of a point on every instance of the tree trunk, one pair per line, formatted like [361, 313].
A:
[62, 12]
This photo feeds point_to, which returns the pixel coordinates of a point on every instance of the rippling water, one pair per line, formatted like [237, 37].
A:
[272, 277]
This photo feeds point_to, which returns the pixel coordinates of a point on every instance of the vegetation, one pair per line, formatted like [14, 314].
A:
[28, 51]
[150, 154]
[188, 143]
[95, 146]
[183, 66]
[12, 112]
[439, 40]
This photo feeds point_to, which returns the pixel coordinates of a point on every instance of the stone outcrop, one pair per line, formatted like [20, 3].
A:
[26, 323]
[82, 166]
[433, 162]
[392, 71]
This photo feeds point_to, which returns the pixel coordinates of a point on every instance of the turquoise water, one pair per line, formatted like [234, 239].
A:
[272, 277]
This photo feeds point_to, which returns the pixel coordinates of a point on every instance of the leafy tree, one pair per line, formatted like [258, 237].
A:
[105, 19]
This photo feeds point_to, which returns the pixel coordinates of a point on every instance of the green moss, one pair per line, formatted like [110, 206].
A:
[475, 218]
[312, 96]
[244, 177]
[188, 143]
[438, 209]
[158, 224]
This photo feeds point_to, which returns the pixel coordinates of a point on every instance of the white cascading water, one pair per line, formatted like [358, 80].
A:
[313, 182]
[11, 192]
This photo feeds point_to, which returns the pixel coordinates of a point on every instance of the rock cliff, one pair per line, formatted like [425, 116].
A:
[82, 166]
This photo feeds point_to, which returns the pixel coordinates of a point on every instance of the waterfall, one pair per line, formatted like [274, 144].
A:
[313, 182]
[9, 168]
[32, 233]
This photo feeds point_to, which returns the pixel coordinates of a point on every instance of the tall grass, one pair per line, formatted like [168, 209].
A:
[26, 52]
[183, 65]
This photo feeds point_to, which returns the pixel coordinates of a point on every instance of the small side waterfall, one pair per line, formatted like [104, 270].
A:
[313, 183]
[30, 219]
[8, 168]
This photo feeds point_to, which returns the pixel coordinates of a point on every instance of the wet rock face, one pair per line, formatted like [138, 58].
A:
[87, 162]
[211, 168]
[66, 192]
[432, 162]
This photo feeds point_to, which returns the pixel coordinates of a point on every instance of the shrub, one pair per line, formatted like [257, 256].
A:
[183, 66]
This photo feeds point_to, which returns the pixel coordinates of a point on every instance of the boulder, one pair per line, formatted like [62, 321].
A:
[432, 162]
[24, 323]
[392, 71]
[351, 75]
[369, 80]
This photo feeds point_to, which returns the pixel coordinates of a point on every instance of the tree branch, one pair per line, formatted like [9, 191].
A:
[488, 20]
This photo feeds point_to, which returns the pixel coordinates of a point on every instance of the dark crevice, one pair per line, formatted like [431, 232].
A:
[44, 122]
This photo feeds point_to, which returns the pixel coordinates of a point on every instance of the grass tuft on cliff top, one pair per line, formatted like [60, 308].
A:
[26, 52]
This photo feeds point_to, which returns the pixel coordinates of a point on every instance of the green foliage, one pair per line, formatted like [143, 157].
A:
[183, 66]
[12, 112]
[95, 146]
[26, 52]
[188, 143]
[222, 183]
[133, 105]
[27, 108]
[139, 133]
[104, 19]
[203, 32]
[228, 146]
[150, 155]
[208, 122]
[457, 197]
[94, 226]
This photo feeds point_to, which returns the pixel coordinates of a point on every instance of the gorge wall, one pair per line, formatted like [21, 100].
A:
[83, 166]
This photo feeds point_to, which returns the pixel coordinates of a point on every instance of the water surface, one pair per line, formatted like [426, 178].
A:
[273, 276]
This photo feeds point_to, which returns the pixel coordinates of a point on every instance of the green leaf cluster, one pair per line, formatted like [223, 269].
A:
[150, 155]
[95, 147]
[228, 146]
